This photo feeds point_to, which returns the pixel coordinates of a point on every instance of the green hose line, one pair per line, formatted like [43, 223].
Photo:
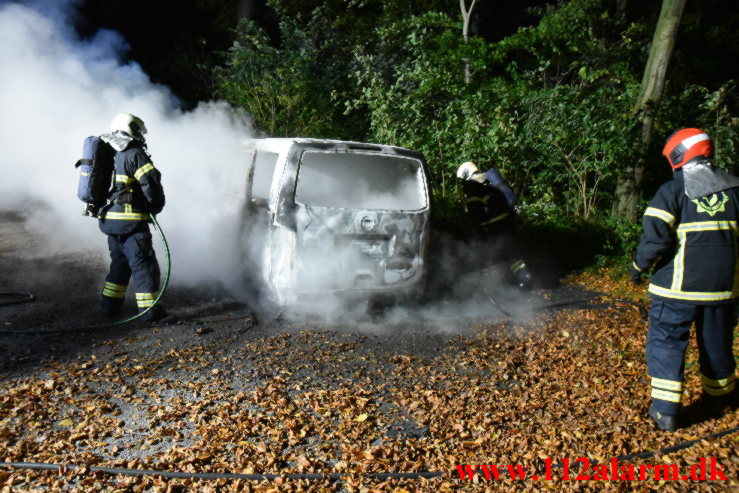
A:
[4, 331]
[166, 276]
[14, 298]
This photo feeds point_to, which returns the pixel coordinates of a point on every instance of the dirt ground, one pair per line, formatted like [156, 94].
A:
[228, 390]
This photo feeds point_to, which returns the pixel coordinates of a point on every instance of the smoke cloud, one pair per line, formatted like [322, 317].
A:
[56, 89]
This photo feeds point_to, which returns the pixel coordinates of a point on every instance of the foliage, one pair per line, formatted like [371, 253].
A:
[290, 87]
[550, 105]
[721, 120]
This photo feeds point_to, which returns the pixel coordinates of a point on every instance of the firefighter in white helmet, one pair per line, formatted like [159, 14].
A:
[492, 206]
[137, 192]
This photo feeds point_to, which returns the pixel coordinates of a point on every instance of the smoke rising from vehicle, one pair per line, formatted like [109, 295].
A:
[56, 89]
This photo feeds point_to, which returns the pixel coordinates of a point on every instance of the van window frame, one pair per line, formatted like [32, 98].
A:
[420, 179]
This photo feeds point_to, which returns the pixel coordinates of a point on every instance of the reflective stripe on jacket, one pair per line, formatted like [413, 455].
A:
[692, 244]
[488, 205]
[139, 181]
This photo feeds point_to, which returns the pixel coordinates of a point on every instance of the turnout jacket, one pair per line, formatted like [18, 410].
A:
[490, 204]
[137, 192]
[692, 245]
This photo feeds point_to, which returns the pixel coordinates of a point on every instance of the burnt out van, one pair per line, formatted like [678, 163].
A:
[332, 217]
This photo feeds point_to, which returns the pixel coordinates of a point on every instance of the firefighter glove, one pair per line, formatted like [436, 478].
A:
[635, 274]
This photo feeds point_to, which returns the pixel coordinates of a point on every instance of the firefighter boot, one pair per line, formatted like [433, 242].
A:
[522, 275]
[156, 314]
[715, 406]
[111, 307]
[666, 422]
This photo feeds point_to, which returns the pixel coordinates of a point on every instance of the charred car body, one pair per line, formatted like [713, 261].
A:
[333, 217]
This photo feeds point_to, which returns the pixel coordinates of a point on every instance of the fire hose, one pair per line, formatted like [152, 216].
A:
[23, 297]
[567, 303]
[166, 276]
[9, 298]
[317, 476]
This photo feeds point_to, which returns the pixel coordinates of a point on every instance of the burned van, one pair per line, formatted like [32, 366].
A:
[332, 217]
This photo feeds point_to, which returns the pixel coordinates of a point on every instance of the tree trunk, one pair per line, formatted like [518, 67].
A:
[629, 187]
[466, 15]
[244, 9]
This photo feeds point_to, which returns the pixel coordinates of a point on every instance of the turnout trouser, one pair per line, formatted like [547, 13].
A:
[669, 333]
[131, 255]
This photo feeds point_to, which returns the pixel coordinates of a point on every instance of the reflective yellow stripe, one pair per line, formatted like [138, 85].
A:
[518, 266]
[707, 226]
[143, 170]
[113, 294]
[718, 383]
[691, 295]
[144, 300]
[665, 395]
[113, 290]
[660, 214]
[635, 266]
[679, 264]
[496, 219]
[125, 216]
[125, 179]
[116, 287]
[85, 174]
[719, 391]
[667, 384]
[483, 199]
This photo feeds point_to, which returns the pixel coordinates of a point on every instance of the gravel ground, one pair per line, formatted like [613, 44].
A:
[225, 388]
[59, 324]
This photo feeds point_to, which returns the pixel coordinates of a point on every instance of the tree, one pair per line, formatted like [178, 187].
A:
[652, 87]
[466, 15]
[292, 78]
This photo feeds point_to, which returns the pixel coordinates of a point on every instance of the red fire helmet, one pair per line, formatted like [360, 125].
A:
[686, 144]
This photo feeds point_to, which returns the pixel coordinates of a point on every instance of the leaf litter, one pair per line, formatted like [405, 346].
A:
[571, 383]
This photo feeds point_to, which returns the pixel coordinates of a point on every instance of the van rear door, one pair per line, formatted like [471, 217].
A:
[360, 217]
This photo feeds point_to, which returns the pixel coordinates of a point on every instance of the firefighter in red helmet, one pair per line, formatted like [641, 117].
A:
[690, 244]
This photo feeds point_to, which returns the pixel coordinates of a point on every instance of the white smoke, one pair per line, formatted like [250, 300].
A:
[56, 89]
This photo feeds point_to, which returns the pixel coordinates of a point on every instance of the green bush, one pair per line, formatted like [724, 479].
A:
[551, 105]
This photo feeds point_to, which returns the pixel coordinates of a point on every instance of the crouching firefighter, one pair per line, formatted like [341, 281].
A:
[136, 193]
[492, 206]
[690, 240]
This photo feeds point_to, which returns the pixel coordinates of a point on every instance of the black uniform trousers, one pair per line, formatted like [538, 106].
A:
[131, 255]
[669, 333]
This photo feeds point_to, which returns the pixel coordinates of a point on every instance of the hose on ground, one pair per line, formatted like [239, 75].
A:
[7, 298]
[166, 277]
[120, 322]
[331, 476]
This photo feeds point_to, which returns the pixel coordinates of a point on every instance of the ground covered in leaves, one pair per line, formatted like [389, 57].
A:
[235, 397]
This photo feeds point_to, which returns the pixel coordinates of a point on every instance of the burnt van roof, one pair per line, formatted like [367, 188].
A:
[278, 144]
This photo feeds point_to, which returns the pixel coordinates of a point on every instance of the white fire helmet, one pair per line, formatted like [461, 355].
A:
[130, 124]
[466, 170]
